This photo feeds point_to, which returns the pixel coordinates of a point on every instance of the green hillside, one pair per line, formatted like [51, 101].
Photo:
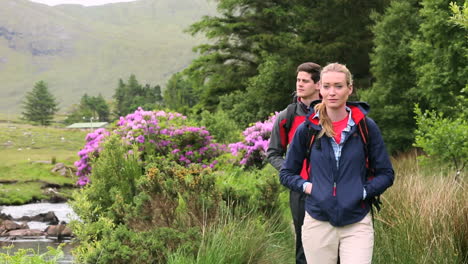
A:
[79, 50]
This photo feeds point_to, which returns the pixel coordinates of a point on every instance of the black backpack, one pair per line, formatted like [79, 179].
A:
[364, 133]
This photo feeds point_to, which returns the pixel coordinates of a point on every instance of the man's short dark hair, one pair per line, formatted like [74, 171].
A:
[312, 68]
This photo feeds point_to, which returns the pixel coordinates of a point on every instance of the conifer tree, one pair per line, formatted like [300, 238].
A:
[39, 105]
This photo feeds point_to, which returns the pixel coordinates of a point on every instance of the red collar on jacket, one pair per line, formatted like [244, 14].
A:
[356, 114]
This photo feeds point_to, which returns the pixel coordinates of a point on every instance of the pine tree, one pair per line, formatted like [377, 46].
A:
[40, 105]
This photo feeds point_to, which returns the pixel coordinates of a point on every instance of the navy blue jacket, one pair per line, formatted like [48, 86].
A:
[345, 206]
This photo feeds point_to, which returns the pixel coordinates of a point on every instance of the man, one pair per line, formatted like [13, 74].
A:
[307, 91]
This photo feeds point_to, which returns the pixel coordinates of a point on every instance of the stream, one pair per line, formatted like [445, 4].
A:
[63, 212]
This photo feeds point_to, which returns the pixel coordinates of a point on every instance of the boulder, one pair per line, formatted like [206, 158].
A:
[25, 233]
[9, 225]
[59, 231]
[5, 217]
[48, 217]
[63, 169]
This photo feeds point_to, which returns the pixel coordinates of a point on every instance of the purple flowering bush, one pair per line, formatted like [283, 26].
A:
[156, 133]
[253, 148]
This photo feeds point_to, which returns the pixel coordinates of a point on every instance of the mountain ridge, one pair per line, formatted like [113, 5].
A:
[77, 49]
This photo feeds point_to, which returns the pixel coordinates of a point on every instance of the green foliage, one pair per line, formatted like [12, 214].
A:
[439, 58]
[251, 190]
[131, 95]
[39, 105]
[242, 239]
[256, 45]
[459, 14]
[132, 214]
[23, 256]
[420, 61]
[266, 92]
[179, 95]
[443, 139]
[391, 95]
[140, 209]
[424, 217]
[94, 107]
[221, 126]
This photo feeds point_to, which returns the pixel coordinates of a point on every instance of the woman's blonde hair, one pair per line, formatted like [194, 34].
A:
[325, 121]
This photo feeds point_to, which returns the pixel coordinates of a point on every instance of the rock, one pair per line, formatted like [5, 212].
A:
[58, 231]
[63, 170]
[8, 181]
[24, 225]
[5, 217]
[57, 199]
[25, 233]
[48, 217]
[8, 225]
[67, 232]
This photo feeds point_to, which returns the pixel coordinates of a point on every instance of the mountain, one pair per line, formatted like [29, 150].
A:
[77, 49]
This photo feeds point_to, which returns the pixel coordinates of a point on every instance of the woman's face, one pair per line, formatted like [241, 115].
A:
[334, 89]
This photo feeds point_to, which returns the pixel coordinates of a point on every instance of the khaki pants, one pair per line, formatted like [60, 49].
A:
[322, 241]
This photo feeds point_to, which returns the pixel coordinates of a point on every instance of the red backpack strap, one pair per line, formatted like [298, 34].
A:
[290, 114]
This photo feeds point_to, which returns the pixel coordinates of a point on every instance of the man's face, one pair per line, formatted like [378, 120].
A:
[305, 86]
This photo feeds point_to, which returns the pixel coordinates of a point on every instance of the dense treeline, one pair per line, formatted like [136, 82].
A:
[401, 53]
[247, 68]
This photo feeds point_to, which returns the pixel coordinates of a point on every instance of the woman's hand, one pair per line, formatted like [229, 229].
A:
[308, 188]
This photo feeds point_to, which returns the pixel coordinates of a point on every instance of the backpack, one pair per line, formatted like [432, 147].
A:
[290, 114]
[364, 133]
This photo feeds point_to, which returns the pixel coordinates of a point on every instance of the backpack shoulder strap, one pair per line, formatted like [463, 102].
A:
[290, 114]
[364, 132]
[311, 135]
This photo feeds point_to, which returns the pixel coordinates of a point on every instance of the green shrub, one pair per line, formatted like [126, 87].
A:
[131, 214]
[443, 139]
[221, 126]
[22, 256]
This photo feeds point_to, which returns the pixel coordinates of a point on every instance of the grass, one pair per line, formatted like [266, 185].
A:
[243, 239]
[27, 152]
[424, 217]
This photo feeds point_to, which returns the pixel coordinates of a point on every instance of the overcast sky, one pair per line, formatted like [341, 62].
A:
[81, 2]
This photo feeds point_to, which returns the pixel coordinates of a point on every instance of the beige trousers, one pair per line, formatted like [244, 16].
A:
[322, 241]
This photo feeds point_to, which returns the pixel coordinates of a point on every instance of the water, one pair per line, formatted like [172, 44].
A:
[63, 212]
[39, 246]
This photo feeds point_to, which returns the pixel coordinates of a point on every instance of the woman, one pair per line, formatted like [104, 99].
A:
[338, 220]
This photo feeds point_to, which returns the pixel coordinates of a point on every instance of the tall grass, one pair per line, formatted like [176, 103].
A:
[243, 239]
[424, 217]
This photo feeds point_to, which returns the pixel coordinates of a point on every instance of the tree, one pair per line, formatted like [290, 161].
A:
[420, 61]
[131, 95]
[391, 95]
[179, 95]
[40, 105]
[439, 56]
[248, 35]
[90, 107]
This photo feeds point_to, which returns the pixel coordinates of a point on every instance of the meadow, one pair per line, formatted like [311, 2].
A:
[28, 154]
